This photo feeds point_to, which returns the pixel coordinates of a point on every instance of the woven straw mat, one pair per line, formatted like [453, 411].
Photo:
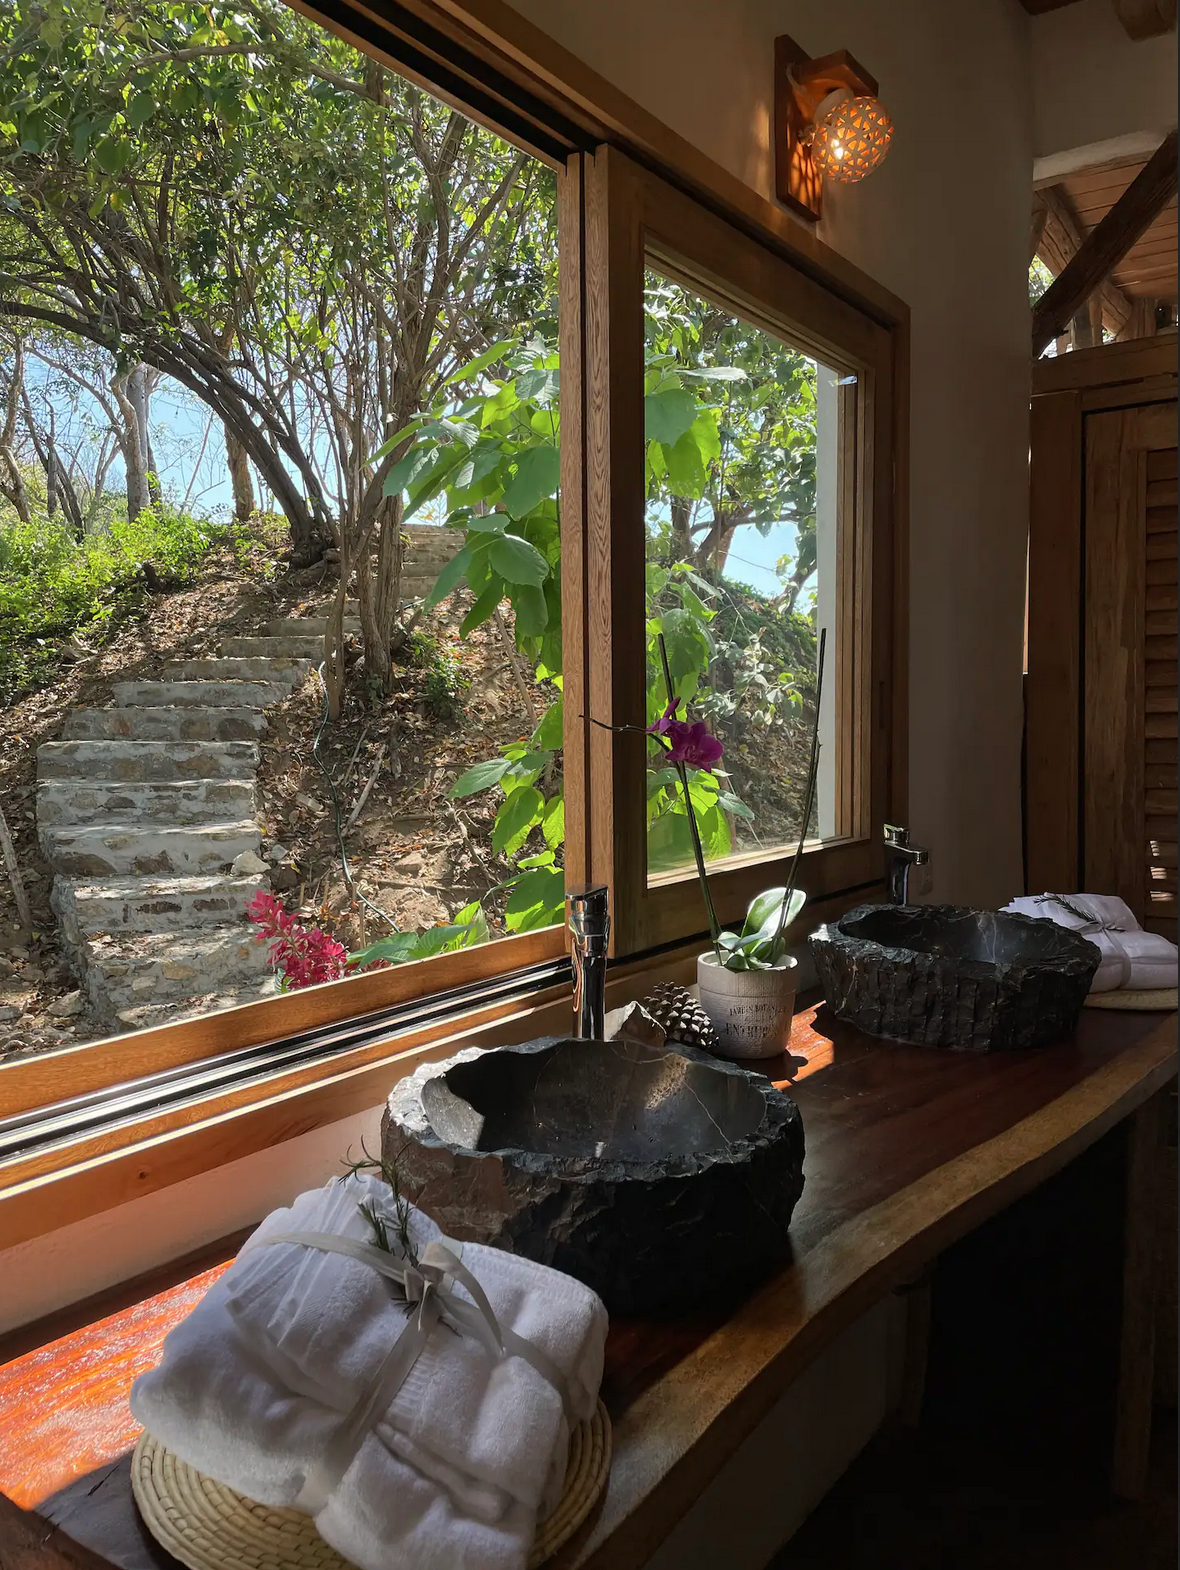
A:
[208, 1526]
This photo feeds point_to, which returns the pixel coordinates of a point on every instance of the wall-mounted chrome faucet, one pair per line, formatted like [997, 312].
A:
[900, 856]
[587, 914]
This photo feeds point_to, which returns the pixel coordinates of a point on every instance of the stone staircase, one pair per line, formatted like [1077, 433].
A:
[143, 809]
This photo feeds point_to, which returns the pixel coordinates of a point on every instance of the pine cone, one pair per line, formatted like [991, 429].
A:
[683, 1018]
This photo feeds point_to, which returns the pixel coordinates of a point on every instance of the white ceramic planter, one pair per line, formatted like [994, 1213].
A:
[750, 1009]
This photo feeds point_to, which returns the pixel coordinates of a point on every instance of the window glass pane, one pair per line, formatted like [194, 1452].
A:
[743, 478]
[294, 407]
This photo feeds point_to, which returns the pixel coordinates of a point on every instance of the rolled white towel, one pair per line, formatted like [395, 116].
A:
[257, 1380]
[1131, 958]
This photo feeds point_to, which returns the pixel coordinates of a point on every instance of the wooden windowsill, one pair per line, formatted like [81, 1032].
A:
[907, 1150]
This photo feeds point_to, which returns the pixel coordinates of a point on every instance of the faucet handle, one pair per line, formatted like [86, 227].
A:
[587, 912]
[897, 838]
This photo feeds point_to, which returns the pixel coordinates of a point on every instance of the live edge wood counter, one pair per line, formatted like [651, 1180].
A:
[907, 1150]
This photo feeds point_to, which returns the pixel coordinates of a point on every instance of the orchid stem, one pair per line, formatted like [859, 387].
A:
[697, 848]
[809, 800]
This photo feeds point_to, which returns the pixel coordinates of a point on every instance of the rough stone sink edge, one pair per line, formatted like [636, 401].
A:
[778, 1110]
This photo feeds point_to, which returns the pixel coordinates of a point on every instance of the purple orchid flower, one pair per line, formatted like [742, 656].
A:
[686, 742]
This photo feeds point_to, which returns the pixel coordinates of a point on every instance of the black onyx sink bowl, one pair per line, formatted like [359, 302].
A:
[664, 1179]
[945, 976]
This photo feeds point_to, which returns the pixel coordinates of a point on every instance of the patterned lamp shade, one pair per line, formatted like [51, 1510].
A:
[851, 139]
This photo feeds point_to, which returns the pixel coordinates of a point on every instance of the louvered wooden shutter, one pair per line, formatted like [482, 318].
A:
[1129, 719]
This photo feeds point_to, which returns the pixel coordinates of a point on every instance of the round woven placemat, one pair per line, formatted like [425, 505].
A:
[1160, 1000]
[208, 1526]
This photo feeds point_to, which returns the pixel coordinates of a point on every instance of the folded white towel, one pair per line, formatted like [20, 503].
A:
[324, 1324]
[1131, 958]
[255, 1382]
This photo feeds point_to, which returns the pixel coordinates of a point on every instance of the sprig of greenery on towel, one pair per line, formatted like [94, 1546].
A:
[379, 1222]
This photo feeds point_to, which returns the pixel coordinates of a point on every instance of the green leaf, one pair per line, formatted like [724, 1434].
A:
[450, 577]
[484, 607]
[553, 821]
[667, 415]
[716, 373]
[516, 818]
[406, 470]
[113, 154]
[480, 777]
[550, 732]
[531, 610]
[394, 950]
[516, 560]
[481, 362]
[734, 805]
[686, 469]
[140, 110]
[391, 442]
[537, 900]
[538, 474]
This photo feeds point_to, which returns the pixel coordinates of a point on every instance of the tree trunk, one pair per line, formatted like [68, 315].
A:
[12, 481]
[238, 462]
[334, 672]
[134, 456]
[141, 383]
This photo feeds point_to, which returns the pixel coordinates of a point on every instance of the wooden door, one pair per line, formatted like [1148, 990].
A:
[1129, 640]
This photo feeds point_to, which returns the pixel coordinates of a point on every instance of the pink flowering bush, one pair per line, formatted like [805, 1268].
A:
[304, 956]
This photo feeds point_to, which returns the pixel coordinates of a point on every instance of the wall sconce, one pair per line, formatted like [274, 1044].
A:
[829, 124]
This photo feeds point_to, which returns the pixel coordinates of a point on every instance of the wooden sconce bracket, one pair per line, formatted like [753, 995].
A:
[800, 86]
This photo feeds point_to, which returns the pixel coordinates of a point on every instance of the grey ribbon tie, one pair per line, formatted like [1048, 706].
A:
[426, 1284]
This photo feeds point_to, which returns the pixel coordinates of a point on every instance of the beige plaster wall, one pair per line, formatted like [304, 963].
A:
[944, 223]
[1093, 83]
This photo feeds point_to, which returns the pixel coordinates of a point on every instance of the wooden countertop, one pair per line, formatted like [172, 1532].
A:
[907, 1150]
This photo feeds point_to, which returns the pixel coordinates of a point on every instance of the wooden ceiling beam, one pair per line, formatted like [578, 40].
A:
[1106, 245]
[1060, 238]
[1146, 18]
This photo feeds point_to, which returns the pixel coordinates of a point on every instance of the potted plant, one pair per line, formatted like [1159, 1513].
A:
[747, 980]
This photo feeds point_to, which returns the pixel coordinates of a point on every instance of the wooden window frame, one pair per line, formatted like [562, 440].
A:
[621, 174]
[633, 220]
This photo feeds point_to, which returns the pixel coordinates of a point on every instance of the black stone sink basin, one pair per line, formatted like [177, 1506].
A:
[945, 976]
[661, 1178]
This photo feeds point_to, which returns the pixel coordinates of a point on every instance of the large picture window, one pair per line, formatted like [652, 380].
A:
[357, 447]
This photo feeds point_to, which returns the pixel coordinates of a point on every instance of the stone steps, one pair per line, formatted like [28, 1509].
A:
[164, 724]
[203, 694]
[141, 811]
[102, 850]
[144, 802]
[308, 627]
[122, 762]
[308, 648]
[157, 967]
[275, 668]
[178, 904]
[143, 1016]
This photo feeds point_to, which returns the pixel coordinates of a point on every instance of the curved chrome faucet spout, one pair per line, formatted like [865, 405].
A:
[587, 913]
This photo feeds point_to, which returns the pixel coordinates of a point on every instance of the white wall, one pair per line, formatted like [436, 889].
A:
[1092, 83]
[88, 1256]
[944, 224]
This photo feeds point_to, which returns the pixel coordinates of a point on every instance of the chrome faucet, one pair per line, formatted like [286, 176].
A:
[900, 856]
[587, 914]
